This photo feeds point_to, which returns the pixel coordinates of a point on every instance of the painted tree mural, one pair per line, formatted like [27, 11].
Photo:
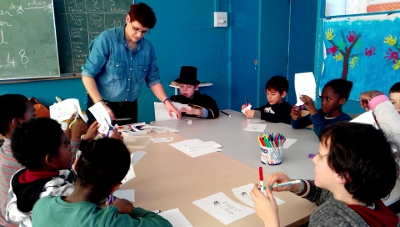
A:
[363, 50]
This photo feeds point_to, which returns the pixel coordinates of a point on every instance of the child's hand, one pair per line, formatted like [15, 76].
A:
[365, 97]
[192, 111]
[78, 129]
[92, 131]
[117, 135]
[280, 177]
[244, 106]
[295, 112]
[265, 206]
[309, 104]
[70, 120]
[123, 205]
[249, 113]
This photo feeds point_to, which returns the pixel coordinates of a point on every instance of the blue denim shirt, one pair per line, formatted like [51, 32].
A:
[118, 71]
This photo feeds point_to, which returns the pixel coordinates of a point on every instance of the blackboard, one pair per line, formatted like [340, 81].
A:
[28, 47]
[78, 22]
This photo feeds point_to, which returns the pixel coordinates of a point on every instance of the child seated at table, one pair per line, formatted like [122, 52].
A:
[98, 177]
[277, 109]
[334, 96]
[202, 105]
[41, 146]
[351, 177]
[394, 95]
[19, 110]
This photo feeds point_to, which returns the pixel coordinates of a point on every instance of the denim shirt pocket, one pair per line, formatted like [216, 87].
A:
[142, 70]
[116, 69]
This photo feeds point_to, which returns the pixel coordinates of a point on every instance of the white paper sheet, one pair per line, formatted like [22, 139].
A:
[248, 107]
[128, 194]
[304, 84]
[63, 110]
[161, 130]
[289, 142]
[243, 194]
[255, 127]
[176, 218]
[102, 117]
[252, 121]
[195, 147]
[161, 114]
[179, 106]
[135, 157]
[366, 118]
[223, 208]
[162, 139]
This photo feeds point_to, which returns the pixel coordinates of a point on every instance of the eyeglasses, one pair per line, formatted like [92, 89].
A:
[321, 156]
[136, 30]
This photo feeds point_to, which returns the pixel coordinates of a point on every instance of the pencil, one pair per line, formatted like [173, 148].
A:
[225, 113]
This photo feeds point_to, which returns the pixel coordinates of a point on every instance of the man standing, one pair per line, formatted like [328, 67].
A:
[120, 59]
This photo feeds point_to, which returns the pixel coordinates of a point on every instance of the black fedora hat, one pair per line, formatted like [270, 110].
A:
[188, 75]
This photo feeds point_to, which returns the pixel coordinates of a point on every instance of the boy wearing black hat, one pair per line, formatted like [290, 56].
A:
[203, 106]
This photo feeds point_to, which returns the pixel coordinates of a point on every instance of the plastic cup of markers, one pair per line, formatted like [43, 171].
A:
[271, 156]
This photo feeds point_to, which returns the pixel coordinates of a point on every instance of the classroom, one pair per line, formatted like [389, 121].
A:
[234, 59]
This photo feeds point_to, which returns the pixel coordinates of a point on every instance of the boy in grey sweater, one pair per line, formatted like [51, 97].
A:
[354, 169]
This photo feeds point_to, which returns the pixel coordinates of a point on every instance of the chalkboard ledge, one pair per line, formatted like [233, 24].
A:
[68, 76]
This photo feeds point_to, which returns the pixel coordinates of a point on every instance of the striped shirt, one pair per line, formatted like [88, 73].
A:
[8, 166]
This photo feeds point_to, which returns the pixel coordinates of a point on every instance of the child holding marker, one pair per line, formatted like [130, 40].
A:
[334, 96]
[351, 178]
[277, 109]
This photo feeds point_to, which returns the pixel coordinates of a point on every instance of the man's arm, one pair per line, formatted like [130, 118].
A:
[158, 91]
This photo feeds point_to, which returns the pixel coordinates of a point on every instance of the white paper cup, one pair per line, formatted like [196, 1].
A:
[271, 156]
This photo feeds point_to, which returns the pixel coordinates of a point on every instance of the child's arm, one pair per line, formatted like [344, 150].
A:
[77, 130]
[302, 122]
[210, 107]
[318, 122]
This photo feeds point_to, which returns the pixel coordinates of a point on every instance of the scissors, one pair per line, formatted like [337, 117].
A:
[110, 127]
[111, 199]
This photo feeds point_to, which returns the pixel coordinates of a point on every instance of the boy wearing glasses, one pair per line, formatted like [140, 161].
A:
[350, 180]
[120, 59]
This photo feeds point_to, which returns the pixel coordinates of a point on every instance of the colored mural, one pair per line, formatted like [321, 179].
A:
[363, 50]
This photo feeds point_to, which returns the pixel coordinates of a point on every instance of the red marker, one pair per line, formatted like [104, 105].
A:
[261, 176]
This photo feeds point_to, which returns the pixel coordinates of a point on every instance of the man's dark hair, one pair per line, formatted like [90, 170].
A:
[143, 14]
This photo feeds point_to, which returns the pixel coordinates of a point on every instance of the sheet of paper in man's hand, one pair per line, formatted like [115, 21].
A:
[135, 158]
[304, 84]
[102, 117]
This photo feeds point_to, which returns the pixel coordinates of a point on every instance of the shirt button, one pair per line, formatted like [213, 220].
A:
[127, 89]
[129, 79]
[126, 100]
[131, 58]
[131, 68]
[117, 65]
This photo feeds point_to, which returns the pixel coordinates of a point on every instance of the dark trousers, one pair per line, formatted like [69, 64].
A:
[120, 109]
